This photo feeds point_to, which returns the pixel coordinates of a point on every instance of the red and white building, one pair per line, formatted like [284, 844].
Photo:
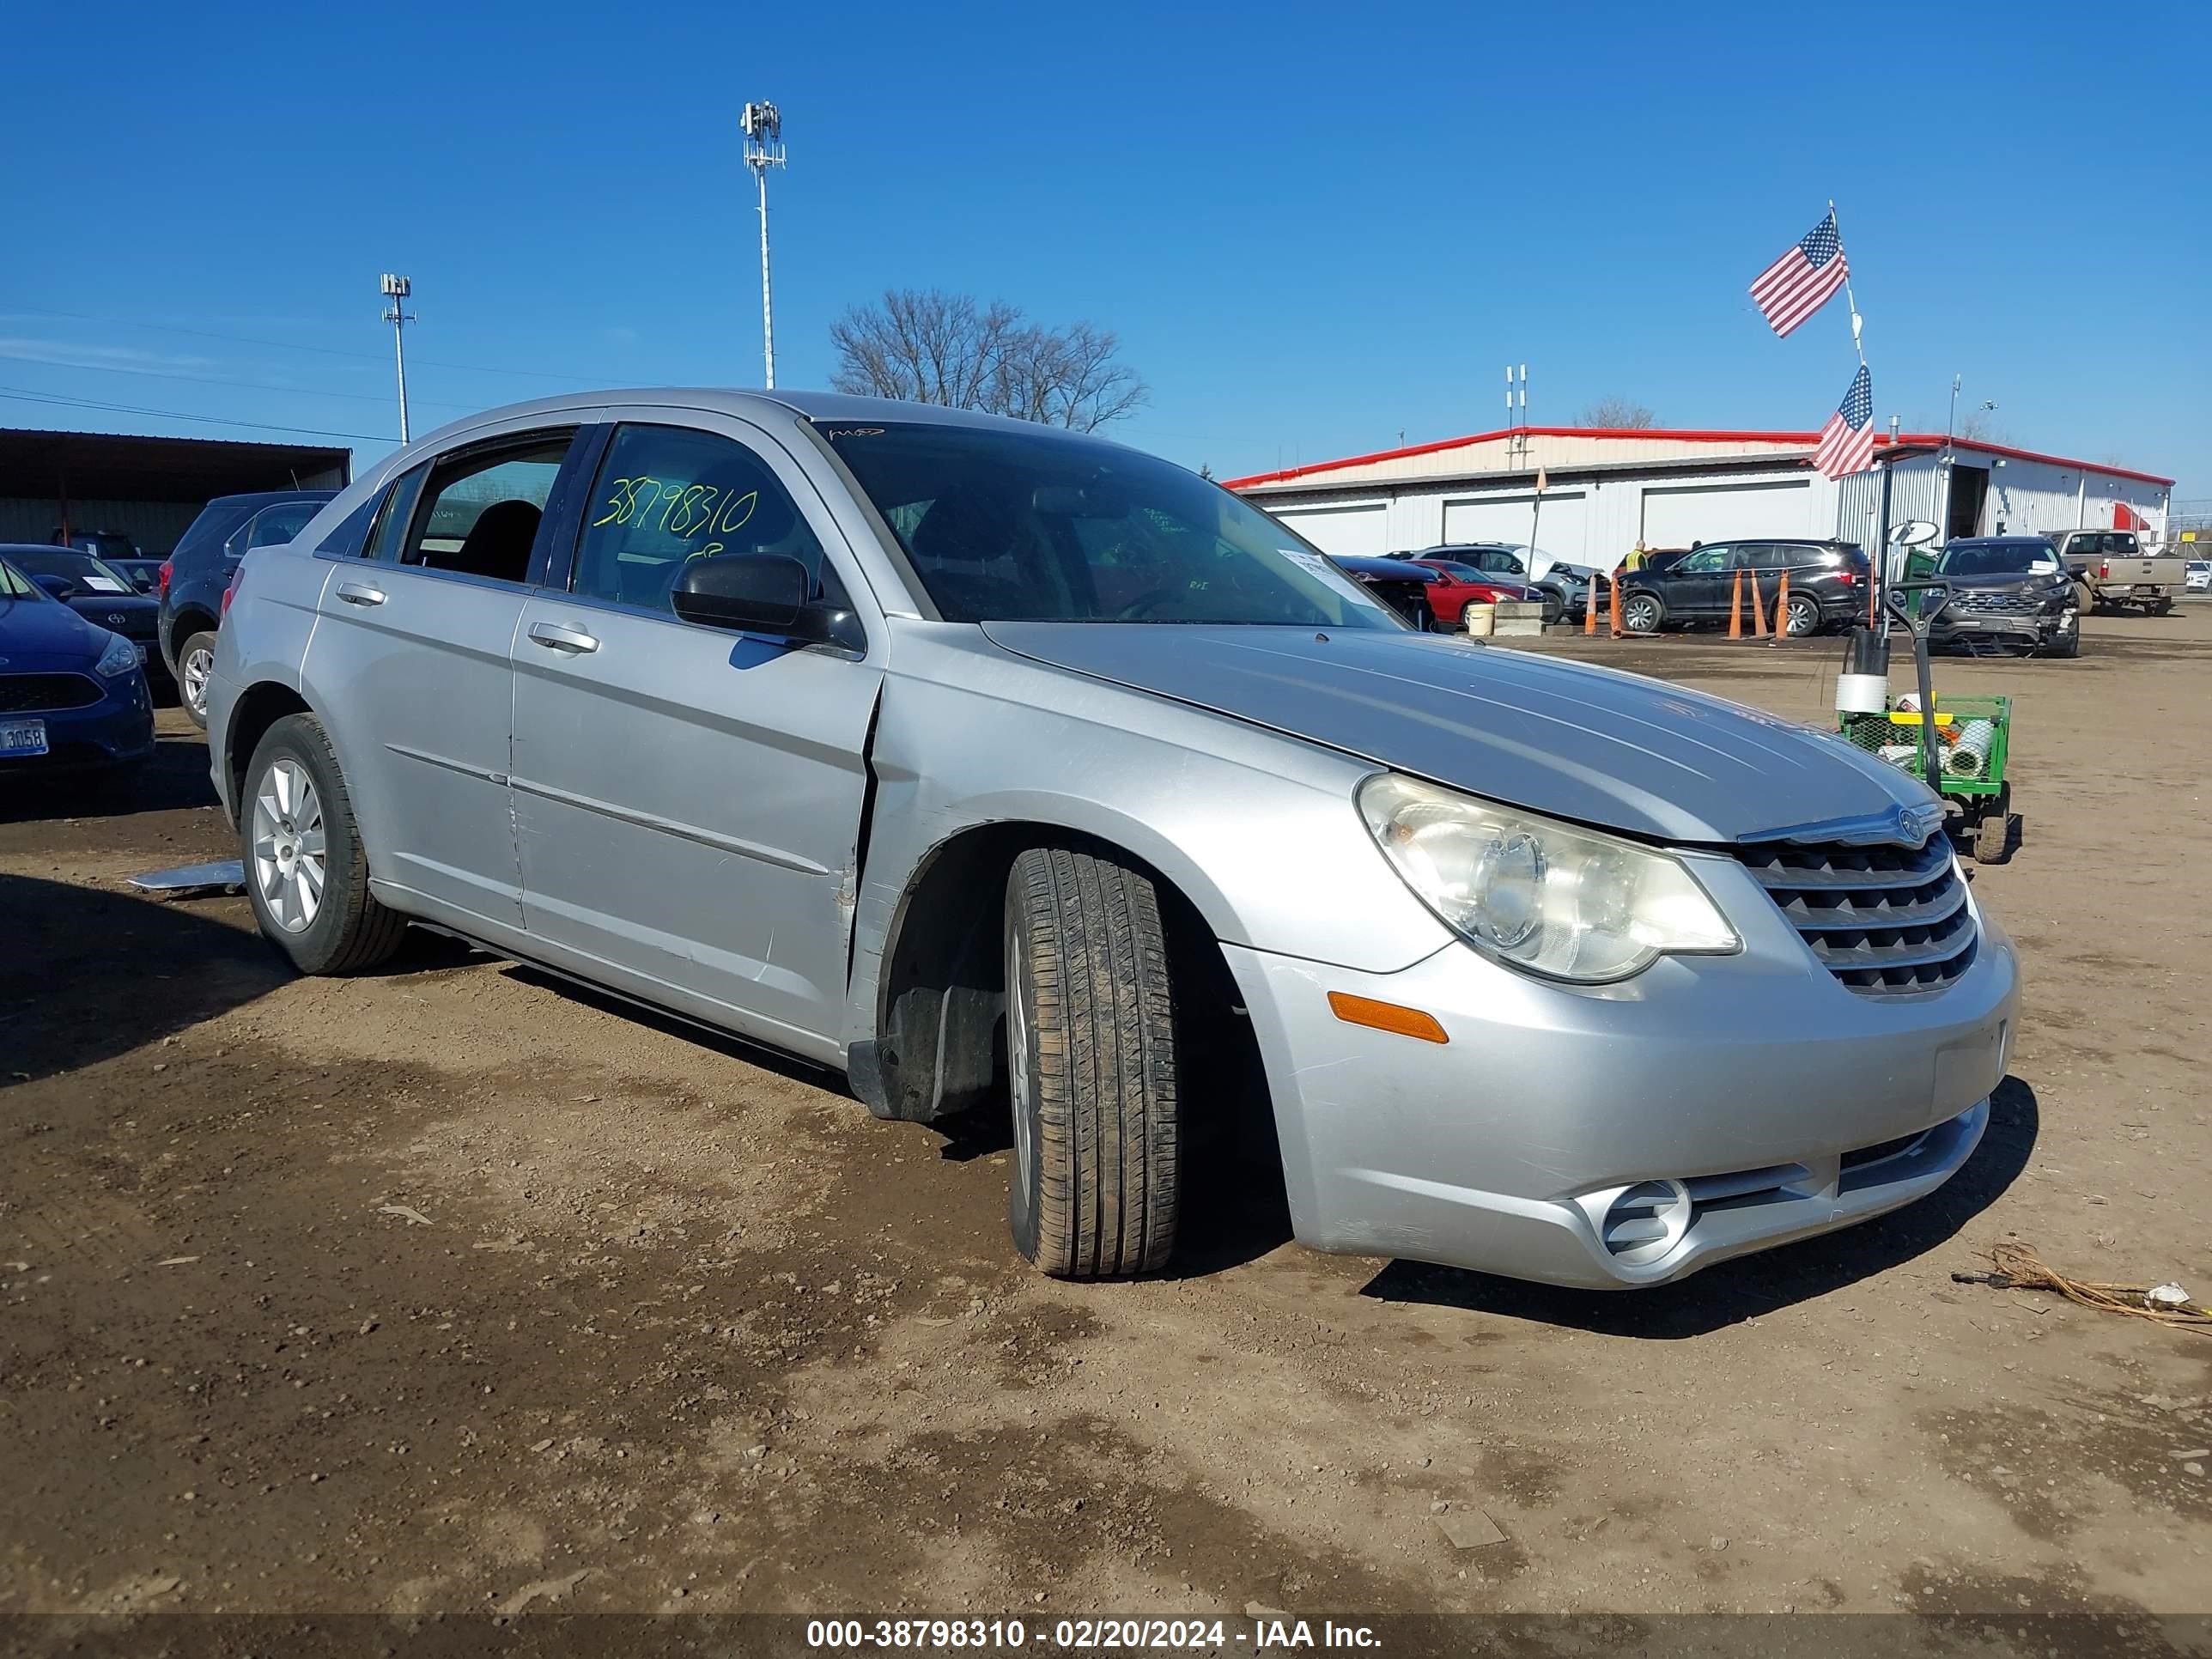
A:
[1605, 490]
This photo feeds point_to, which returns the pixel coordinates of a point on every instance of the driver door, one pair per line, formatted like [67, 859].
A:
[1695, 590]
[688, 798]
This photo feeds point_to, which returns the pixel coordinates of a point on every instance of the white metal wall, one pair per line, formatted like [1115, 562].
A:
[1359, 529]
[1594, 522]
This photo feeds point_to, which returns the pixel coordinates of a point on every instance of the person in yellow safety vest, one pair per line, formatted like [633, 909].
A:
[1635, 556]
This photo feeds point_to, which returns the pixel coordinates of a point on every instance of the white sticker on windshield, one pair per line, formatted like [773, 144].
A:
[1316, 565]
[104, 585]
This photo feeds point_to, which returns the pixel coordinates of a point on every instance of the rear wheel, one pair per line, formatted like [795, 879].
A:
[1090, 1064]
[2162, 607]
[306, 874]
[1641, 613]
[194, 661]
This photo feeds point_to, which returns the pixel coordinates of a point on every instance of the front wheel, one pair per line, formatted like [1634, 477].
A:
[1804, 616]
[306, 874]
[195, 662]
[1091, 1066]
[1641, 613]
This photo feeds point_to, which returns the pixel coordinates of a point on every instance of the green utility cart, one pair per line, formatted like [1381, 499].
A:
[1973, 740]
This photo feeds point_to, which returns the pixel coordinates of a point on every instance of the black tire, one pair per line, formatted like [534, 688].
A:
[2162, 608]
[1641, 612]
[1803, 617]
[2067, 641]
[1091, 1067]
[197, 649]
[349, 932]
[1992, 836]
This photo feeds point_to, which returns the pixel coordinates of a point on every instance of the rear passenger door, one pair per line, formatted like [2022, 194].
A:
[687, 800]
[409, 663]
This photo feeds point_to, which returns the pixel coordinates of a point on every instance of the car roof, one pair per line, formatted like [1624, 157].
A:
[266, 497]
[2000, 541]
[818, 406]
[1379, 567]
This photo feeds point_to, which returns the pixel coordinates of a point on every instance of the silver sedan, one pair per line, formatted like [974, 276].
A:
[1007, 770]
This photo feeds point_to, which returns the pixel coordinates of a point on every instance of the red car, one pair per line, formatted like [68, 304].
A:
[1452, 587]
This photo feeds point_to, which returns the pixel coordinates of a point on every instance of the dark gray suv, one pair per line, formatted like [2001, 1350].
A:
[1827, 585]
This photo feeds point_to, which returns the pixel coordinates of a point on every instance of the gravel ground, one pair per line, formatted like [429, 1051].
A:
[452, 1289]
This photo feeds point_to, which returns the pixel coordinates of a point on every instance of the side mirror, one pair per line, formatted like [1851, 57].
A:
[60, 586]
[142, 584]
[749, 591]
[759, 593]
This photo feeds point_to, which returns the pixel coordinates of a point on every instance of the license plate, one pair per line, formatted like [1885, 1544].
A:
[2144, 590]
[24, 738]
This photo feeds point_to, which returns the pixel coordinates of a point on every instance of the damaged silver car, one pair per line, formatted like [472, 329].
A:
[998, 767]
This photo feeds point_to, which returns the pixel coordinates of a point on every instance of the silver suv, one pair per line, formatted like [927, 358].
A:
[985, 763]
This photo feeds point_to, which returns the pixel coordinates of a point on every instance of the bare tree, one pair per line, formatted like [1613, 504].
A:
[1979, 426]
[1617, 412]
[935, 347]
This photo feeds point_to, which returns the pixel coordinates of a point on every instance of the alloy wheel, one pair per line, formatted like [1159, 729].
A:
[192, 677]
[288, 870]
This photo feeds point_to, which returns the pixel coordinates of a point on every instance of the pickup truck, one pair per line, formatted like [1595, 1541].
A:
[2110, 567]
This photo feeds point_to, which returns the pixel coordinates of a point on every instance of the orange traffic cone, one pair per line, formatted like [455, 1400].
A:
[1613, 606]
[1735, 608]
[1589, 605]
[1758, 609]
[1782, 610]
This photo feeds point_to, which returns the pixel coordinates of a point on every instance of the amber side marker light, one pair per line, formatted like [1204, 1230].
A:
[1386, 1017]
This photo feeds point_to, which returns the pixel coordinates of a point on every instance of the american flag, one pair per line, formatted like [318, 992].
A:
[1805, 278]
[1846, 443]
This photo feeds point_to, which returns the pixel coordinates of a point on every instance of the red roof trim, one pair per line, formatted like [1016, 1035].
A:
[1917, 439]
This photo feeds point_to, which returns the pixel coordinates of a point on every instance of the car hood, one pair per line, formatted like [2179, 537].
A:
[40, 635]
[136, 613]
[1591, 744]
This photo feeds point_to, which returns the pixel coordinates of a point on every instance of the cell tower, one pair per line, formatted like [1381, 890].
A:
[397, 289]
[763, 130]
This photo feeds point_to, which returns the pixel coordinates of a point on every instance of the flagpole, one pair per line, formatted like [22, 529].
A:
[1850, 298]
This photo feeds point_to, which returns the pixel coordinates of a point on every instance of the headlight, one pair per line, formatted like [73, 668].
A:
[120, 657]
[1564, 902]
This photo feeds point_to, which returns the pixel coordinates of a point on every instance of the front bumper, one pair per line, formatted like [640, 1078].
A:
[116, 731]
[1770, 1102]
[2031, 627]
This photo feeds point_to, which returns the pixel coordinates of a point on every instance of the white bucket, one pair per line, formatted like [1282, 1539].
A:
[1861, 694]
[1481, 620]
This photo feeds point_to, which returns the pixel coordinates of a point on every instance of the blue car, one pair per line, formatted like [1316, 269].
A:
[72, 695]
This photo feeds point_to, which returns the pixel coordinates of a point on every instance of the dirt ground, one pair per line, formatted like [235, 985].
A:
[453, 1289]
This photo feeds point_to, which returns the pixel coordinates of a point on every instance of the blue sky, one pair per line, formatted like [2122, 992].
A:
[1314, 228]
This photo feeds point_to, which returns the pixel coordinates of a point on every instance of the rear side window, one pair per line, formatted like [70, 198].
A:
[480, 510]
[277, 524]
[668, 494]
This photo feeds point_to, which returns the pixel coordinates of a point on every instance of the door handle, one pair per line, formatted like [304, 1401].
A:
[555, 636]
[360, 593]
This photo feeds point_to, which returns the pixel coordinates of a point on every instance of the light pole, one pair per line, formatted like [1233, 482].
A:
[397, 289]
[763, 130]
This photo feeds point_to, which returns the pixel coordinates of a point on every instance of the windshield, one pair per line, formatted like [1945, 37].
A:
[78, 569]
[14, 585]
[1996, 559]
[1020, 526]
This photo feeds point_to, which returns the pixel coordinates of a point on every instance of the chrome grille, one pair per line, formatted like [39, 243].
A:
[1887, 920]
[2000, 601]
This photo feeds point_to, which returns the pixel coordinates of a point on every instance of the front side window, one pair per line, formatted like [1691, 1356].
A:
[1021, 527]
[1704, 562]
[481, 509]
[668, 494]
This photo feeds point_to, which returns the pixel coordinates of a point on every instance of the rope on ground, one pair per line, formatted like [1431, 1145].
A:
[2017, 1267]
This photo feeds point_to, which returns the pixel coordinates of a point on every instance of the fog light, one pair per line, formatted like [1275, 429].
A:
[1647, 1220]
